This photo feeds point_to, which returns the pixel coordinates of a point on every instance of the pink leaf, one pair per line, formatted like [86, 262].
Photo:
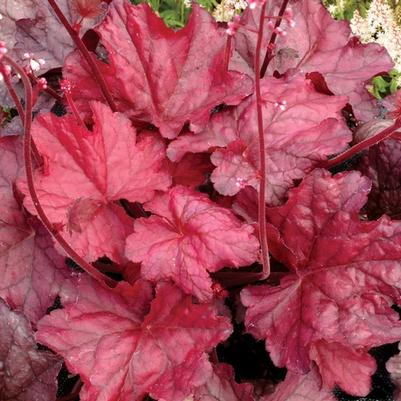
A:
[222, 387]
[318, 43]
[344, 278]
[26, 373]
[343, 366]
[124, 345]
[159, 75]
[297, 138]
[188, 237]
[87, 172]
[301, 388]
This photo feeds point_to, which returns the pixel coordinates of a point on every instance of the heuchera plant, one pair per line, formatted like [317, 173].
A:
[161, 189]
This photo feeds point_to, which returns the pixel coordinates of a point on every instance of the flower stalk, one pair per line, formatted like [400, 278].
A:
[262, 152]
[27, 150]
[273, 37]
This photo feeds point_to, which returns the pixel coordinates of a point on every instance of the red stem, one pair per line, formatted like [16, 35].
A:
[86, 55]
[365, 144]
[269, 51]
[31, 186]
[262, 151]
[227, 53]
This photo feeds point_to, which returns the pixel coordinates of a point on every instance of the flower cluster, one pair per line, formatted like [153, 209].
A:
[227, 9]
[379, 26]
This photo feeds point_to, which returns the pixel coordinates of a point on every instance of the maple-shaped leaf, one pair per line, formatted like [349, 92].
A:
[87, 172]
[222, 387]
[26, 374]
[296, 139]
[159, 75]
[187, 237]
[318, 43]
[31, 271]
[300, 388]
[339, 365]
[345, 273]
[125, 345]
[393, 366]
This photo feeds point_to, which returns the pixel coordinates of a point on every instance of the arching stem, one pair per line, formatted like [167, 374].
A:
[31, 185]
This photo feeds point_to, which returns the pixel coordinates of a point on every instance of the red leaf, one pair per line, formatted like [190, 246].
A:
[32, 271]
[320, 43]
[26, 373]
[300, 388]
[188, 236]
[296, 139]
[344, 278]
[89, 171]
[158, 75]
[343, 366]
[122, 350]
[222, 387]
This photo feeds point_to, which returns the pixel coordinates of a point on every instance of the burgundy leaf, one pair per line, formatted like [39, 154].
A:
[187, 237]
[30, 26]
[381, 163]
[158, 75]
[87, 172]
[26, 374]
[124, 345]
[12, 11]
[344, 278]
[297, 138]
